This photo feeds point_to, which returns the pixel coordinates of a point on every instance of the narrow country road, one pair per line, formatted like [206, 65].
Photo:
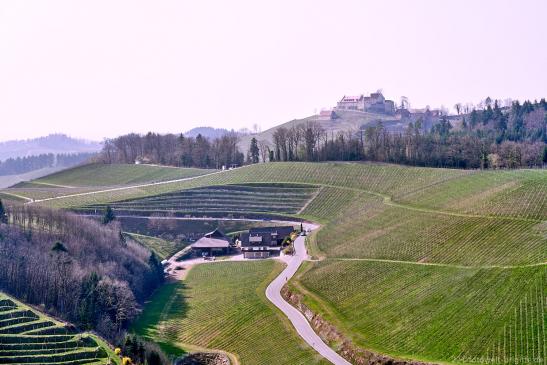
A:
[300, 323]
[273, 292]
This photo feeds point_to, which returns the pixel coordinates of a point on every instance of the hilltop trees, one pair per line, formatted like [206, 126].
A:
[19, 165]
[173, 150]
[491, 136]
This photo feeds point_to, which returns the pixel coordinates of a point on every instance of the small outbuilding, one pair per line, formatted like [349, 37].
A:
[213, 243]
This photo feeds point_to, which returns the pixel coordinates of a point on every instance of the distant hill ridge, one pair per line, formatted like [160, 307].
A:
[53, 143]
[208, 132]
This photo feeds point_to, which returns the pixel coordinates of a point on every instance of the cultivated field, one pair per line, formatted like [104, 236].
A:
[222, 200]
[436, 264]
[117, 174]
[515, 193]
[435, 313]
[222, 306]
[29, 337]
[374, 230]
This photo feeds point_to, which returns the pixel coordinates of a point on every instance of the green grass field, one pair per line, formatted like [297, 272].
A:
[29, 337]
[222, 200]
[372, 229]
[516, 193]
[435, 264]
[435, 313]
[117, 174]
[381, 179]
[222, 306]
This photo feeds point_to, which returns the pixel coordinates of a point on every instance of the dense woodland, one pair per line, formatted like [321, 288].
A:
[489, 138]
[78, 269]
[20, 165]
[174, 150]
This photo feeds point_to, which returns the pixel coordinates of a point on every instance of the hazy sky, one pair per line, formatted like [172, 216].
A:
[98, 68]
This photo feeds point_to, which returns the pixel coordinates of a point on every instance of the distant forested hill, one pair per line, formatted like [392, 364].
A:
[54, 143]
[207, 132]
[21, 165]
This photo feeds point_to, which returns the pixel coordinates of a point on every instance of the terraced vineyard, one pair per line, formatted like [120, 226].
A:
[221, 200]
[29, 337]
[223, 306]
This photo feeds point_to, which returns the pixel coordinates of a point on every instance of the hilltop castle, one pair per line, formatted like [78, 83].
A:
[375, 103]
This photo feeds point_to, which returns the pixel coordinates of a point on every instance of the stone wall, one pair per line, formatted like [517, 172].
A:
[204, 358]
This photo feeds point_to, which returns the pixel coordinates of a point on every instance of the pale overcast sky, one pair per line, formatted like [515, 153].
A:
[99, 68]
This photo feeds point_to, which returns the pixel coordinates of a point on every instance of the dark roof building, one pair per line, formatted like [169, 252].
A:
[262, 242]
[214, 242]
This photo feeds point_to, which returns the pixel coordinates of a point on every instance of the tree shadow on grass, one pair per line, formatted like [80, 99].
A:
[158, 320]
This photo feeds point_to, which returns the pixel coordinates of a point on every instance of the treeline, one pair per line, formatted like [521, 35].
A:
[173, 150]
[20, 165]
[76, 268]
[490, 138]
[526, 122]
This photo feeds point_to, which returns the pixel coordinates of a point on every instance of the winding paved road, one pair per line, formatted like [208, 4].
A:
[300, 323]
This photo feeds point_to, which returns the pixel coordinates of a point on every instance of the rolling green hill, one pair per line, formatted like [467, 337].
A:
[29, 337]
[223, 306]
[223, 200]
[437, 264]
[117, 174]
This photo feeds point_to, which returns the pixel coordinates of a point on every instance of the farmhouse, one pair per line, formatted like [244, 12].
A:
[213, 243]
[264, 242]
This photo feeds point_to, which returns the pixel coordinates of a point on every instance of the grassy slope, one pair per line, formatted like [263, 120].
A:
[223, 306]
[375, 212]
[122, 174]
[428, 306]
[378, 178]
[375, 230]
[161, 247]
[435, 313]
[223, 199]
[519, 193]
[32, 346]
[9, 180]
